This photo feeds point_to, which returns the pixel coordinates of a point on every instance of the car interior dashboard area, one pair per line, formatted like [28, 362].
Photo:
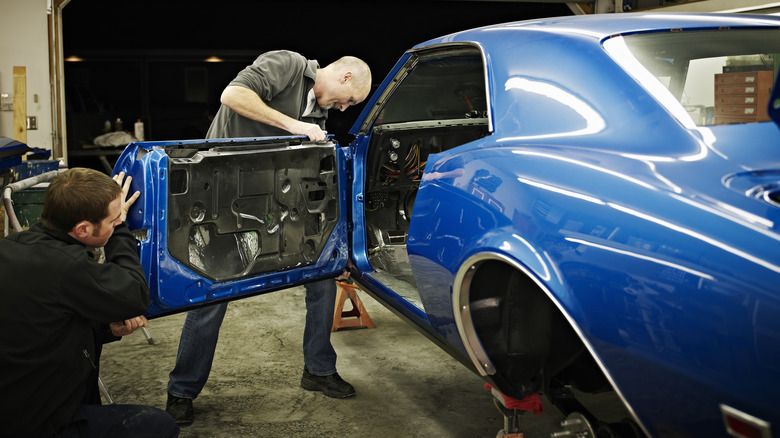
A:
[440, 104]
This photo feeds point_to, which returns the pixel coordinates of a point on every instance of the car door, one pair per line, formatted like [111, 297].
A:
[229, 218]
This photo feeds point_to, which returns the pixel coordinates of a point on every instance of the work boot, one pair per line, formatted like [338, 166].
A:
[331, 385]
[180, 409]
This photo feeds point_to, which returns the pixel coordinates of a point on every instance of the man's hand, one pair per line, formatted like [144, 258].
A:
[125, 189]
[346, 272]
[128, 326]
[311, 130]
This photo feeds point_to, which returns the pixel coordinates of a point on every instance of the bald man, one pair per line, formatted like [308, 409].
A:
[280, 93]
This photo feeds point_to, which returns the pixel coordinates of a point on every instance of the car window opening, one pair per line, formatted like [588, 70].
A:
[718, 76]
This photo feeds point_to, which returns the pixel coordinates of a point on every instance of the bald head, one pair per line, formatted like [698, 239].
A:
[342, 83]
[361, 73]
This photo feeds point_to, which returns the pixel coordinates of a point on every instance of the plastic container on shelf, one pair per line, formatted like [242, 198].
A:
[139, 130]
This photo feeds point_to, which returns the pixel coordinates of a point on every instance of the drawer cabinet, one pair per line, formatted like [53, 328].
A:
[742, 97]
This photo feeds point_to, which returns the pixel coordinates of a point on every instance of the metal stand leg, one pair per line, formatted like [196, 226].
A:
[148, 335]
[104, 391]
[511, 421]
[102, 385]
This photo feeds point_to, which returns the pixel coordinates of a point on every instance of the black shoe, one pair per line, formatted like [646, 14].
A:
[180, 409]
[332, 385]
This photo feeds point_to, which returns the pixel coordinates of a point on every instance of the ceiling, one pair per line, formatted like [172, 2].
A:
[320, 30]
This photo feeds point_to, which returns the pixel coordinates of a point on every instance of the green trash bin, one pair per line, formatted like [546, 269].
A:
[28, 205]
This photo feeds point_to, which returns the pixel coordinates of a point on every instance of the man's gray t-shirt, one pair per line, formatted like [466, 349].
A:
[282, 79]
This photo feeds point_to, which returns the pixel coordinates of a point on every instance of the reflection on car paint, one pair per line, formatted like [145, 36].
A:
[562, 205]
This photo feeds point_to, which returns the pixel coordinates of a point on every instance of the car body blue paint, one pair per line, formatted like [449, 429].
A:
[655, 239]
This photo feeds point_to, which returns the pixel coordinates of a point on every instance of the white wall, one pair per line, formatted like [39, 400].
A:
[24, 41]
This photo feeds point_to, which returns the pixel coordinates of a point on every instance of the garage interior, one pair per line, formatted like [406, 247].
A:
[152, 62]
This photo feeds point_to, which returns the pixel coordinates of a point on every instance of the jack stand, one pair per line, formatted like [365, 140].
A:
[355, 318]
[511, 421]
[512, 408]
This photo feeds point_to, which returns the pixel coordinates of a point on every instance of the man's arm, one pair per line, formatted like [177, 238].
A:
[248, 104]
[117, 288]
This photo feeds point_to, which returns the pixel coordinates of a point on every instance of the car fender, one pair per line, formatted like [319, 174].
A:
[453, 221]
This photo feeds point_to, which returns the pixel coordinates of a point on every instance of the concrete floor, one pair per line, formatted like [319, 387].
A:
[406, 386]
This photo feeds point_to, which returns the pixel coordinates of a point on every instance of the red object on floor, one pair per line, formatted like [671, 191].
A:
[531, 402]
[355, 318]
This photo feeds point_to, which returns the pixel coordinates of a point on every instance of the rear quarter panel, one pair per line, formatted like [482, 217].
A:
[674, 300]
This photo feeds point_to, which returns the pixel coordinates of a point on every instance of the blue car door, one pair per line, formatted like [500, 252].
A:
[229, 218]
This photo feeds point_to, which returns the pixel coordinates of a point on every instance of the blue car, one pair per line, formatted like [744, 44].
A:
[569, 206]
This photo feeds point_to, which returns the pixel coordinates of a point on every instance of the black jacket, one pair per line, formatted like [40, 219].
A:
[55, 302]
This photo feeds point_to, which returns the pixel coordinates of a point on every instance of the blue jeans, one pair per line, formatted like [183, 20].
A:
[201, 330]
[120, 421]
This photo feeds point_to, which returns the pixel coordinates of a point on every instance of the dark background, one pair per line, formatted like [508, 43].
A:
[143, 59]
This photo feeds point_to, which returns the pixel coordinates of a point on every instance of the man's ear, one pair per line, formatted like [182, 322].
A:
[81, 230]
[346, 77]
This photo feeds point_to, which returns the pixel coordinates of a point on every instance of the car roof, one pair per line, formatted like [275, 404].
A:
[548, 39]
[600, 26]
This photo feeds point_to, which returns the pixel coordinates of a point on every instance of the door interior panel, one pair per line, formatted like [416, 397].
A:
[247, 209]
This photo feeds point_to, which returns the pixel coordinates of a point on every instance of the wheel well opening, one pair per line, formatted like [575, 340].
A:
[525, 335]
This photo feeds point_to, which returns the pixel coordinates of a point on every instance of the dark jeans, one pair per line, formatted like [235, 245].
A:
[201, 330]
[120, 421]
